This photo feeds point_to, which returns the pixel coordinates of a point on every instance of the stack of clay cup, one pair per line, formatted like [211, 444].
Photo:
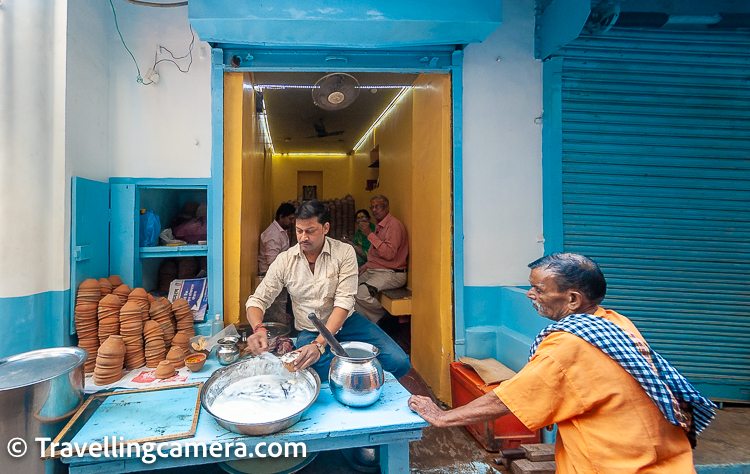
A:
[131, 330]
[115, 281]
[184, 316]
[122, 292]
[85, 315]
[89, 292]
[106, 286]
[139, 295]
[176, 357]
[182, 340]
[155, 349]
[161, 312]
[164, 370]
[109, 317]
[109, 361]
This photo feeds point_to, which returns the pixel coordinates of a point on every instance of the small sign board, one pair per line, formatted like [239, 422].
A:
[195, 292]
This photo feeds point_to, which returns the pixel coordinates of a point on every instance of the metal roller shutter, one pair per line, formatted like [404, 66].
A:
[656, 188]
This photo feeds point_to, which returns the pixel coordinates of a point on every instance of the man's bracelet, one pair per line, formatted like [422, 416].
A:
[259, 327]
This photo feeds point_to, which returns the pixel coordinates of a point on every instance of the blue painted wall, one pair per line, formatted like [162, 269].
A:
[34, 322]
[500, 323]
[344, 23]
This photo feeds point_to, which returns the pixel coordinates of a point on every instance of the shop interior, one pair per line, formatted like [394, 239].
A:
[390, 134]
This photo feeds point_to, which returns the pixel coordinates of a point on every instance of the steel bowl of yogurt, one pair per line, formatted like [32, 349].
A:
[258, 396]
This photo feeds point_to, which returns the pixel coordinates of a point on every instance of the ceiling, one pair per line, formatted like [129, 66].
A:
[293, 116]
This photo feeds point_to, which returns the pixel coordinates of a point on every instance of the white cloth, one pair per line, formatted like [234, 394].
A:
[273, 241]
[333, 284]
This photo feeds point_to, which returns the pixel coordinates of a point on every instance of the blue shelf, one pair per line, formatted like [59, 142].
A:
[179, 251]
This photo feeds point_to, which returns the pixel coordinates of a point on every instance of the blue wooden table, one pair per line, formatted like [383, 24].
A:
[326, 425]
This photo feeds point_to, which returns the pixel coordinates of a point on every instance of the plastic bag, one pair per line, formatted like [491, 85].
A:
[150, 228]
[206, 344]
[167, 238]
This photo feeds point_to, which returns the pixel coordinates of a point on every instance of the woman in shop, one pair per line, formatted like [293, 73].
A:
[360, 243]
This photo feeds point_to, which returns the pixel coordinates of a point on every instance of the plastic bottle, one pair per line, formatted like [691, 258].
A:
[217, 325]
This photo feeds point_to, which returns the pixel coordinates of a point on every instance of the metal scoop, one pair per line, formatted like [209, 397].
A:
[323, 330]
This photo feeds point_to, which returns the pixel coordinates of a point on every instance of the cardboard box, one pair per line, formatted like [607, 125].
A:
[506, 432]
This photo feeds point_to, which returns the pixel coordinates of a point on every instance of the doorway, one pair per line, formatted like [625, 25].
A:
[397, 143]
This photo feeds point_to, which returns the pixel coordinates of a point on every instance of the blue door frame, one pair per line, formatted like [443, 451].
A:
[447, 60]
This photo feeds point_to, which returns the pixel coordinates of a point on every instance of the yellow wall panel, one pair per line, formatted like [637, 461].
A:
[431, 260]
[247, 176]
[414, 143]
[232, 191]
[342, 175]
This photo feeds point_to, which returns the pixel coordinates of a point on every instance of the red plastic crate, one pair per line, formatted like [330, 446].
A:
[506, 432]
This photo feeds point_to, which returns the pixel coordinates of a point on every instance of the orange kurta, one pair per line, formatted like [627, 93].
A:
[606, 422]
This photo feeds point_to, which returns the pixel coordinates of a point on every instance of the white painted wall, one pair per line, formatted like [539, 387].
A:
[87, 91]
[86, 101]
[502, 152]
[161, 130]
[32, 147]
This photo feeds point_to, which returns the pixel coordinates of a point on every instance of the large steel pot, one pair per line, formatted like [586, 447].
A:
[39, 391]
[251, 367]
[356, 381]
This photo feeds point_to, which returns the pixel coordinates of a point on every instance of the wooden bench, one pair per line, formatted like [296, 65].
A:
[397, 302]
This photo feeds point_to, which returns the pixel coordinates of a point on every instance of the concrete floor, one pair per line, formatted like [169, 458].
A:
[726, 440]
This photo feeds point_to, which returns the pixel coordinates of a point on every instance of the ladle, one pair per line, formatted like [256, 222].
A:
[323, 330]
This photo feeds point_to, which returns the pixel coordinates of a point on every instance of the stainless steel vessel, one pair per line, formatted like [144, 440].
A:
[248, 368]
[39, 391]
[228, 351]
[356, 381]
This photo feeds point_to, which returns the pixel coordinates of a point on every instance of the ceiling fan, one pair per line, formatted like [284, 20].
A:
[321, 131]
[335, 91]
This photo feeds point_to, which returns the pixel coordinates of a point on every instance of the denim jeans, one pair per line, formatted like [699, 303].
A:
[358, 328]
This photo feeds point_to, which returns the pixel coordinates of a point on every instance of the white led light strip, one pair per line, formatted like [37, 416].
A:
[382, 116]
[261, 87]
[313, 154]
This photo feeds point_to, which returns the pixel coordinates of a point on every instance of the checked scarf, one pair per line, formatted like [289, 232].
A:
[675, 397]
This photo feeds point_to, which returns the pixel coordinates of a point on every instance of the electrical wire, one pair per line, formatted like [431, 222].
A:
[139, 78]
[158, 5]
[189, 53]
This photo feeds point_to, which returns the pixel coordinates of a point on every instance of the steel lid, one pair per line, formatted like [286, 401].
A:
[29, 368]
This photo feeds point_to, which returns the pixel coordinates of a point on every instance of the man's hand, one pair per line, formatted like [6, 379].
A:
[427, 409]
[485, 408]
[364, 227]
[308, 355]
[258, 342]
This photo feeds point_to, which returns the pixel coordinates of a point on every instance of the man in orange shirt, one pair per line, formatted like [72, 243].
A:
[586, 375]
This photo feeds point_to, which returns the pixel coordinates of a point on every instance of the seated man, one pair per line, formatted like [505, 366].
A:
[274, 239]
[589, 371]
[386, 260]
[321, 276]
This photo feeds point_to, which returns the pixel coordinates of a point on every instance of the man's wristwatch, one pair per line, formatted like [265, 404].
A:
[320, 347]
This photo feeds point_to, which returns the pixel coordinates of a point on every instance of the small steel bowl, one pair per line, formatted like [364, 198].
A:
[248, 368]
